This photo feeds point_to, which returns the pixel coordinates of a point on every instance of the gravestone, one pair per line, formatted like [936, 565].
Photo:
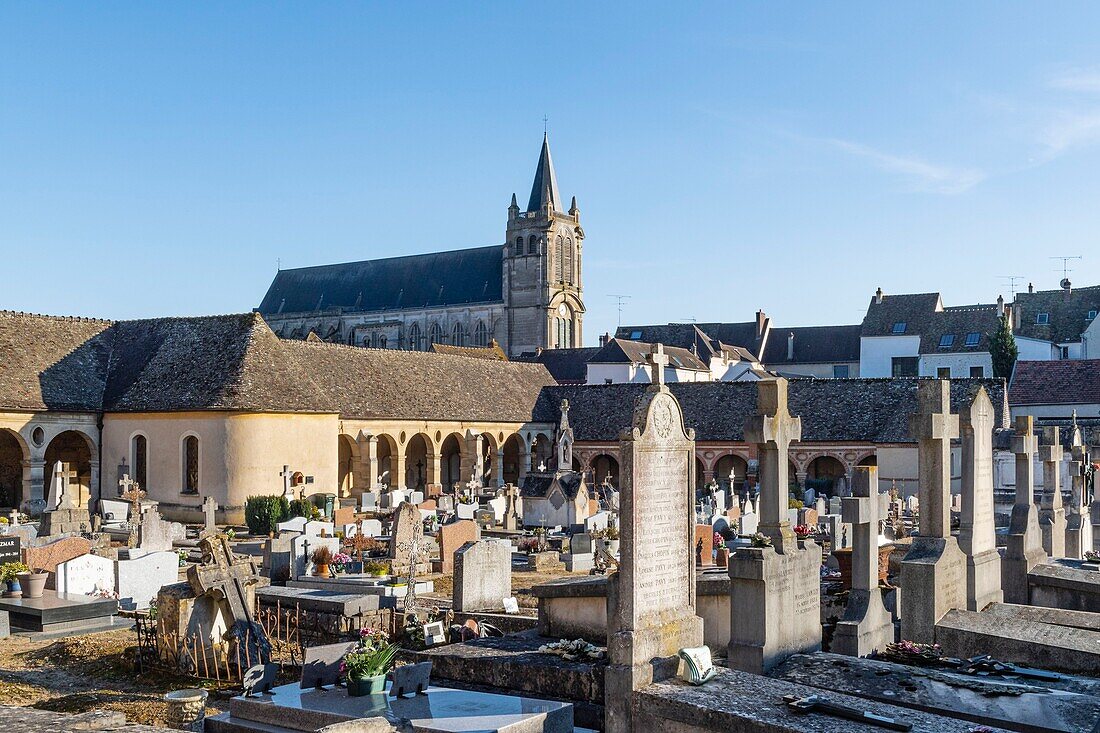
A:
[1078, 522]
[277, 558]
[775, 592]
[46, 557]
[512, 521]
[977, 531]
[209, 515]
[1052, 514]
[581, 543]
[62, 516]
[301, 550]
[85, 574]
[318, 528]
[482, 575]
[230, 581]
[453, 536]
[933, 572]
[407, 529]
[9, 549]
[465, 511]
[321, 665]
[866, 626]
[138, 581]
[294, 524]
[651, 597]
[288, 488]
[1024, 543]
[703, 545]
[158, 535]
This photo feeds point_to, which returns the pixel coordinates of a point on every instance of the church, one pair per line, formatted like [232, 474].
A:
[524, 294]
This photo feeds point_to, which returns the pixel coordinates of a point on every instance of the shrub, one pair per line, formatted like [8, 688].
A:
[303, 508]
[263, 513]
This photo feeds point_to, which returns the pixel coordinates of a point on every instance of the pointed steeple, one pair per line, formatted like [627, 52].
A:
[545, 188]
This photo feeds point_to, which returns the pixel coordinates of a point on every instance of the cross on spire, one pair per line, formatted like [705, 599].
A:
[773, 429]
[934, 426]
[658, 360]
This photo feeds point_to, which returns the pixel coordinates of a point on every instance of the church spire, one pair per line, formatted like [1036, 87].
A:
[545, 188]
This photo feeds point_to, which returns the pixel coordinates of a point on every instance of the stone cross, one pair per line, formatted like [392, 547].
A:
[866, 626]
[209, 510]
[125, 484]
[1025, 445]
[1023, 545]
[288, 491]
[977, 531]
[59, 491]
[224, 575]
[1051, 455]
[934, 426]
[773, 429]
[134, 495]
[658, 360]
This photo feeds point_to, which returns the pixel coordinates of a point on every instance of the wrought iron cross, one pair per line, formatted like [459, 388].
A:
[412, 546]
[133, 493]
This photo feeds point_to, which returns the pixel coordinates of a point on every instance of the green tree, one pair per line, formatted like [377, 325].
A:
[1002, 346]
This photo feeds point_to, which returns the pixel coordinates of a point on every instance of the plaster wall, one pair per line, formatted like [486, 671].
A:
[876, 352]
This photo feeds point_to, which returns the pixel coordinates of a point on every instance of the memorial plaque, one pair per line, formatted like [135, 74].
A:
[9, 549]
[322, 664]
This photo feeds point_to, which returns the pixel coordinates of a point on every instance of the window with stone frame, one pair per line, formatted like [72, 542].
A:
[381, 340]
[481, 334]
[519, 245]
[458, 336]
[943, 373]
[977, 372]
[559, 258]
[903, 366]
[435, 335]
[139, 459]
[533, 245]
[191, 464]
[567, 263]
[412, 343]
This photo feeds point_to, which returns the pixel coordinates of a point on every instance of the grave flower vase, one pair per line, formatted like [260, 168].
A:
[33, 584]
[12, 589]
[322, 571]
[361, 686]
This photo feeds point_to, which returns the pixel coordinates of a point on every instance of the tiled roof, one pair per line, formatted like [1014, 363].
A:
[832, 410]
[478, 352]
[704, 338]
[813, 345]
[568, 366]
[1063, 382]
[47, 362]
[1066, 314]
[237, 363]
[432, 280]
[914, 310]
[957, 324]
[623, 351]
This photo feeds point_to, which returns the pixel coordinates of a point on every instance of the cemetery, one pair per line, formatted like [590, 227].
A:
[561, 603]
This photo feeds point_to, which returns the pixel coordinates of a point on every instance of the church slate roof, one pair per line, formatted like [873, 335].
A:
[832, 410]
[545, 186]
[567, 366]
[438, 279]
[1062, 382]
[1067, 315]
[624, 351]
[706, 339]
[813, 345]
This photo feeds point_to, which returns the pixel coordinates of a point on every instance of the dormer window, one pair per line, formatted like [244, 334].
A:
[899, 327]
[635, 335]
[1042, 319]
[947, 340]
[973, 338]
[1091, 315]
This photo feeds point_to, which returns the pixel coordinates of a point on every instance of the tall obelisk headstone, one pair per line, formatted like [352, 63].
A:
[933, 572]
[775, 592]
[1024, 544]
[866, 626]
[651, 598]
[1078, 521]
[977, 529]
[1052, 512]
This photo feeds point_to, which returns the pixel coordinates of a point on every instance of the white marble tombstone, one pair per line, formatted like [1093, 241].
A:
[138, 581]
[85, 574]
[316, 528]
[294, 524]
[977, 532]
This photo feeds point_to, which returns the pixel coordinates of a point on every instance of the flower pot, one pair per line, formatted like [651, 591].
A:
[613, 547]
[322, 571]
[33, 584]
[12, 589]
[360, 686]
[722, 557]
[186, 709]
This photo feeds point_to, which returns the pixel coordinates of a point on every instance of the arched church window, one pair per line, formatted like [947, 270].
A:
[533, 245]
[519, 245]
[481, 334]
[435, 335]
[413, 343]
[457, 336]
[381, 342]
[559, 256]
[191, 464]
[139, 459]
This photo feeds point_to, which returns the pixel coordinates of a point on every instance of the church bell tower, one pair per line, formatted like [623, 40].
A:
[542, 267]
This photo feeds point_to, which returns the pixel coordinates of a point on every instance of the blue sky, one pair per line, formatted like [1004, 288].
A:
[160, 159]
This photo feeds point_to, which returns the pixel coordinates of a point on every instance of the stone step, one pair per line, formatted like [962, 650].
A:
[1018, 641]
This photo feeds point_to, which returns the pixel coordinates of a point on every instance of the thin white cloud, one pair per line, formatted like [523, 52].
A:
[922, 174]
[1066, 130]
[1077, 80]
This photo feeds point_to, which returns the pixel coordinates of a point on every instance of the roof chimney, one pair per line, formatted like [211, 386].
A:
[605, 338]
[790, 346]
[1000, 305]
[760, 319]
[1031, 288]
[878, 297]
[1067, 288]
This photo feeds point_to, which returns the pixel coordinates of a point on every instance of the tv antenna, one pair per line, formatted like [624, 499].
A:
[1012, 283]
[619, 299]
[1066, 269]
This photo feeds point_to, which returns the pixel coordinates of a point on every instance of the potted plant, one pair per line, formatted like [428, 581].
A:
[611, 534]
[376, 568]
[9, 575]
[365, 668]
[33, 583]
[340, 562]
[322, 558]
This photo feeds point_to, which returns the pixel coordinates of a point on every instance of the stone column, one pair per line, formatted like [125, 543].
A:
[34, 487]
[471, 457]
[368, 452]
[397, 468]
[498, 468]
[866, 626]
[1052, 517]
[93, 484]
[524, 459]
[977, 530]
[1078, 521]
[435, 468]
[1024, 544]
[933, 572]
